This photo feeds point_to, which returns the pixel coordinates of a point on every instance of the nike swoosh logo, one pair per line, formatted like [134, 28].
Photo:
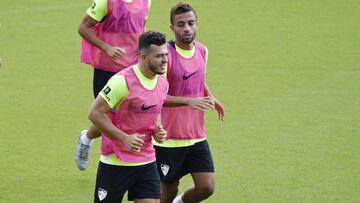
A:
[144, 108]
[186, 77]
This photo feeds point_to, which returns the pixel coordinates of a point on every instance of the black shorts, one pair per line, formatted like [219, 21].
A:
[174, 163]
[141, 182]
[100, 79]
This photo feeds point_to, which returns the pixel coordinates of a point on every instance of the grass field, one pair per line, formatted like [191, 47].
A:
[288, 73]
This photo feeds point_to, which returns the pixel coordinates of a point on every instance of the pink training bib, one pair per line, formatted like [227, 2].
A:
[137, 114]
[122, 27]
[186, 79]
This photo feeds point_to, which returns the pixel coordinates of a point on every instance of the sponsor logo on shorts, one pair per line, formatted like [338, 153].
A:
[164, 169]
[102, 194]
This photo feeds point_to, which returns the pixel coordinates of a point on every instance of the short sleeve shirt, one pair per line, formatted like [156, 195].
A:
[98, 9]
[116, 90]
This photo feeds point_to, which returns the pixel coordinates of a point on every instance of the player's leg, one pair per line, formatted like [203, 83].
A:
[99, 81]
[82, 154]
[146, 189]
[169, 191]
[200, 165]
[204, 185]
[93, 132]
[170, 165]
[112, 182]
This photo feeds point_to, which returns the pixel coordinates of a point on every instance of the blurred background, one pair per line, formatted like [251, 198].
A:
[287, 72]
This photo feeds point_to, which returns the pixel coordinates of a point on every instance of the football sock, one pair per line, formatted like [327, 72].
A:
[178, 199]
[84, 138]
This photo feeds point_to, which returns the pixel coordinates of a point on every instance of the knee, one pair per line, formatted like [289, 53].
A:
[170, 189]
[173, 191]
[206, 190]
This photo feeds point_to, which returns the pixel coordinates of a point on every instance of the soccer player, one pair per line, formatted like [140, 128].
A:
[127, 112]
[186, 149]
[110, 31]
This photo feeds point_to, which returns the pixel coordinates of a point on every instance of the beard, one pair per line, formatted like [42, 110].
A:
[155, 69]
[186, 40]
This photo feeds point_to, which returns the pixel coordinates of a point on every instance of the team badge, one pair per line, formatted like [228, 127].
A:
[164, 169]
[102, 194]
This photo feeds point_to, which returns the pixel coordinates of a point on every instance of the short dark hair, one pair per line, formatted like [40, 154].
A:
[151, 37]
[180, 8]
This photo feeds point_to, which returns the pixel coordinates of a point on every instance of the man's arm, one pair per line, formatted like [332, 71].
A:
[85, 30]
[149, 6]
[199, 103]
[218, 106]
[98, 116]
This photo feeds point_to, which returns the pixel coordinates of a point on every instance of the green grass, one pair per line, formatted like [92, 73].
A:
[287, 72]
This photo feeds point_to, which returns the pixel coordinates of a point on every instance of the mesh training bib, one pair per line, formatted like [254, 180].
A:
[136, 115]
[122, 27]
[186, 79]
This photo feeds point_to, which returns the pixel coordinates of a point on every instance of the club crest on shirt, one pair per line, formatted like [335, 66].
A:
[164, 169]
[102, 194]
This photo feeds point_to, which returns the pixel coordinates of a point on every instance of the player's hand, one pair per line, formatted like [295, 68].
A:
[160, 134]
[133, 142]
[114, 52]
[220, 109]
[201, 103]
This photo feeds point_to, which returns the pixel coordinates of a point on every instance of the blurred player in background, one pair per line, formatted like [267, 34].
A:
[110, 30]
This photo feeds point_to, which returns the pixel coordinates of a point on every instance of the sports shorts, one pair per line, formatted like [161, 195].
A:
[175, 162]
[100, 79]
[141, 182]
